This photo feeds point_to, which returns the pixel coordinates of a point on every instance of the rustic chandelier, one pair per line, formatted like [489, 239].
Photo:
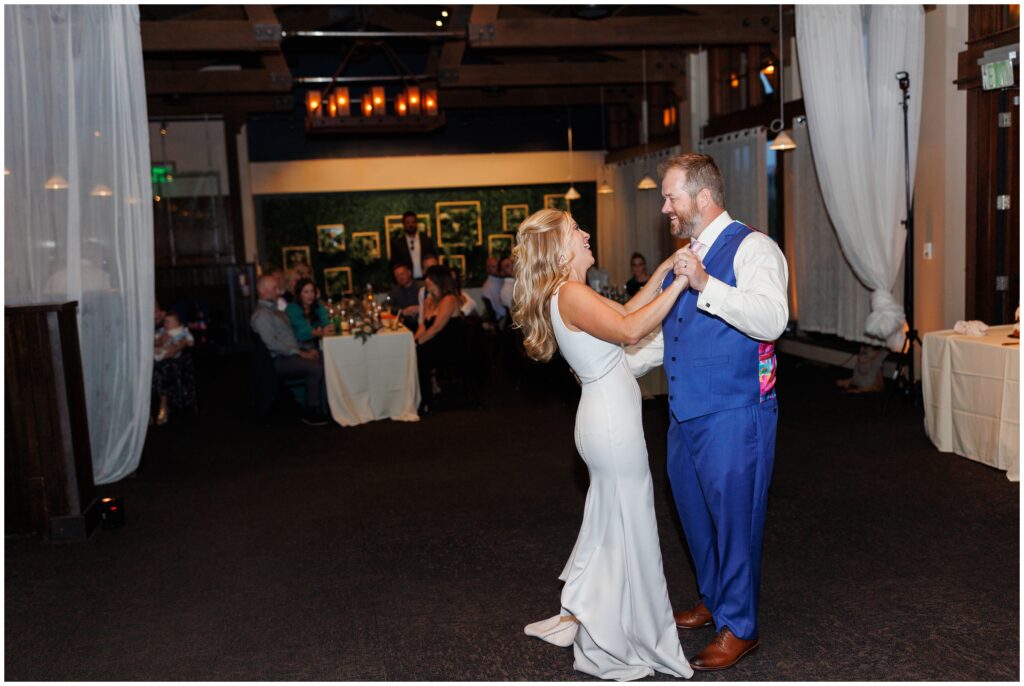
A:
[410, 106]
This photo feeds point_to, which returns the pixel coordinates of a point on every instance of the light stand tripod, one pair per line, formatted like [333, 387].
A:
[904, 376]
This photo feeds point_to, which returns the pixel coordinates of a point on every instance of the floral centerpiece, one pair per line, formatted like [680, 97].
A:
[363, 328]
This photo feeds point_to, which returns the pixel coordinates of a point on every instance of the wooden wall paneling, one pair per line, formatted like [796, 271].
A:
[48, 424]
[992, 236]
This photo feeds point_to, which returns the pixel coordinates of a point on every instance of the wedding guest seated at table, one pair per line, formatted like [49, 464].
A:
[467, 305]
[638, 267]
[491, 290]
[436, 333]
[405, 298]
[308, 315]
[290, 360]
[281, 297]
[428, 262]
[173, 373]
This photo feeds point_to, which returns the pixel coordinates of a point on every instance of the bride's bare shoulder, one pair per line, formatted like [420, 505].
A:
[575, 289]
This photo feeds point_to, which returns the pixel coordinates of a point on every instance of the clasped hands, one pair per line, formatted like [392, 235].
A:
[686, 263]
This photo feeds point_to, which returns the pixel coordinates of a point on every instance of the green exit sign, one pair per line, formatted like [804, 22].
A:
[997, 75]
[163, 173]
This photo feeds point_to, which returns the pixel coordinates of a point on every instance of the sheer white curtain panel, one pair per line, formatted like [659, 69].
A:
[829, 297]
[853, 100]
[77, 203]
[630, 220]
[742, 157]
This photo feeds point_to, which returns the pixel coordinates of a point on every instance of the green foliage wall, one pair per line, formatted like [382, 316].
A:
[291, 220]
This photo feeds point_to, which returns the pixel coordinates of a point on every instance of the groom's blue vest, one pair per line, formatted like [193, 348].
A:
[710, 365]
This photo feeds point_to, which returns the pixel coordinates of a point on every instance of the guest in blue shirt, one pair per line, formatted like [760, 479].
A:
[307, 315]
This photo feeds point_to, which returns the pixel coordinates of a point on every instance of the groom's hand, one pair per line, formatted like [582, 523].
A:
[689, 265]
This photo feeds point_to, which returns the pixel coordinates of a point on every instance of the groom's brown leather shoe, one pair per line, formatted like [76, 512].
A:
[724, 651]
[696, 617]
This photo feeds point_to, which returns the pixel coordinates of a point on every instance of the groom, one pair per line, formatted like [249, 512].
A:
[719, 358]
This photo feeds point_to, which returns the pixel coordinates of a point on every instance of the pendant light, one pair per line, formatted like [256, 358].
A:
[782, 140]
[572, 194]
[56, 183]
[603, 188]
[646, 183]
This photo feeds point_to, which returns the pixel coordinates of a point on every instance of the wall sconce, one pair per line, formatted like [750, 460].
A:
[430, 102]
[379, 102]
[342, 102]
[401, 106]
[312, 102]
[412, 94]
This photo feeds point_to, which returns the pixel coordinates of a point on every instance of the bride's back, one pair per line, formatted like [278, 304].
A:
[590, 357]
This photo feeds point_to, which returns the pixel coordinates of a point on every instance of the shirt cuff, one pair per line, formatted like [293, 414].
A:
[712, 298]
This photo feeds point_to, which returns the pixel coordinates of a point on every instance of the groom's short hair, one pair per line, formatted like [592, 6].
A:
[701, 172]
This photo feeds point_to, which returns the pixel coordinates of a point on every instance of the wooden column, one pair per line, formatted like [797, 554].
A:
[992, 250]
[232, 126]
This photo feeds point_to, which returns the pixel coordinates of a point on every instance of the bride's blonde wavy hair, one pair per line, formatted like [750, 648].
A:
[543, 238]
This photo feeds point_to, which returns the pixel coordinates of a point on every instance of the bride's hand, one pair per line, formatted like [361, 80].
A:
[681, 277]
[670, 263]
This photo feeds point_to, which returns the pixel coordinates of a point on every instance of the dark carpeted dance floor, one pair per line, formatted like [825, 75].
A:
[418, 551]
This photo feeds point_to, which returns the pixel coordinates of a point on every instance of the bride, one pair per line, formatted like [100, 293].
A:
[615, 609]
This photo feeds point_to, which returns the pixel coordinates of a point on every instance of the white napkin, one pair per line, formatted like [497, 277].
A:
[971, 328]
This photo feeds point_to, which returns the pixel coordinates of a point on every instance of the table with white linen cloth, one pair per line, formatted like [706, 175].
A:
[372, 380]
[971, 396]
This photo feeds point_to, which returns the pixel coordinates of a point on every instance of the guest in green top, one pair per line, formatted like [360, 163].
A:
[308, 315]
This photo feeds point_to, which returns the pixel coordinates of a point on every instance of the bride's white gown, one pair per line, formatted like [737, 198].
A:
[614, 579]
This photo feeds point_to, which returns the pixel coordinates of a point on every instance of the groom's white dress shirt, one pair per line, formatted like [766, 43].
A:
[758, 305]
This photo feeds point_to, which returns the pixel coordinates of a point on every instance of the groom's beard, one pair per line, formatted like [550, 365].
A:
[686, 225]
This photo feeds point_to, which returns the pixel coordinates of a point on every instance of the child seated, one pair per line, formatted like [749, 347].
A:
[171, 338]
[173, 377]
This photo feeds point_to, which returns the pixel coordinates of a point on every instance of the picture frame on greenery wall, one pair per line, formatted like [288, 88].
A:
[512, 216]
[459, 223]
[330, 238]
[364, 246]
[393, 227]
[294, 255]
[337, 281]
[455, 262]
[500, 245]
[557, 201]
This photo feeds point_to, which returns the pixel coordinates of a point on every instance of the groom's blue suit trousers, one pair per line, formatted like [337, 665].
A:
[720, 467]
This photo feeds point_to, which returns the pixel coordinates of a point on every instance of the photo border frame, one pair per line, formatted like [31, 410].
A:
[479, 221]
[344, 270]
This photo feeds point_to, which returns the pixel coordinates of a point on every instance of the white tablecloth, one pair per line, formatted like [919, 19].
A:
[372, 380]
[971, 396]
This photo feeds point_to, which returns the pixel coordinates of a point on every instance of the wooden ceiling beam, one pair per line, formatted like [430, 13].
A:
[450, 61]
[617, 31]
[562, 73]
[213, 12]
[171, 81]
[208, 36]
[537, 97]
[218, 104]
